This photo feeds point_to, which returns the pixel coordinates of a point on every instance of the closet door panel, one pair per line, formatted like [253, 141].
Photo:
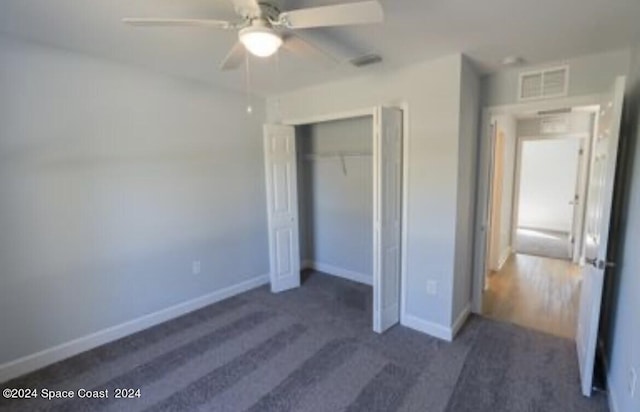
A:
[387, 160]
[282, 207]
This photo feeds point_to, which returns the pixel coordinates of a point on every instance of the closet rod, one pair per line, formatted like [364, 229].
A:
[337, 155]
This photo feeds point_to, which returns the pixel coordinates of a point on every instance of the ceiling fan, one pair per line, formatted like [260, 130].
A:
[263, 28]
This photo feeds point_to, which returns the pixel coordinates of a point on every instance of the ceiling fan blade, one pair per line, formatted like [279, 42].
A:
[234, 58]
[301, 47]
[339, 15]
[161, 22]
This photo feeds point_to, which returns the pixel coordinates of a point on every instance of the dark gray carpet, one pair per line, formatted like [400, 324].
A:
[543, 243]
[312, 349]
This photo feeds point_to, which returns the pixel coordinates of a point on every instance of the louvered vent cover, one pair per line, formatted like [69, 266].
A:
[542, 84]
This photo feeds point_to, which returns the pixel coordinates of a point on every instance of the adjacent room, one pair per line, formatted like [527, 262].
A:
[537, 227]
[319, 205]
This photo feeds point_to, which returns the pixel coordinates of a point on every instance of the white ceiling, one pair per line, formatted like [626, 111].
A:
[414, 30]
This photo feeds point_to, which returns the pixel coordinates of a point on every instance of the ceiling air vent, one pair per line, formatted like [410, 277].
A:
[366, 60]
[544, 84]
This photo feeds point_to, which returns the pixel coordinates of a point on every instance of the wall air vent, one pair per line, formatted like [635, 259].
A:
[366, 60]
[544, 84]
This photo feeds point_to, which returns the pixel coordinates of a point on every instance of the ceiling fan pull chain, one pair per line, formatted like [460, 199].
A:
[248, 83]
[278, 85]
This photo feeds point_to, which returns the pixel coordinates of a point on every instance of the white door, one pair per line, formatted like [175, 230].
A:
[282, 206]
[599, 199]
[387, 193]
[576, 224]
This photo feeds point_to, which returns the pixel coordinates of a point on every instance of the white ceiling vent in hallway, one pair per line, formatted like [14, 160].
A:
[544, 84]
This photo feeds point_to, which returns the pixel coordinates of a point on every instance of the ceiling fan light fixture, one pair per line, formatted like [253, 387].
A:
[260, 41]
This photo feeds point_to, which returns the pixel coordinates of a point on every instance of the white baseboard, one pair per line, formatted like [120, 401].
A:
[336, 271]
[504, 257]
[57, 353]
[387, 318]
[611, 394]
[435, 329]
[460, 320]
[430, 328]
[611, 397]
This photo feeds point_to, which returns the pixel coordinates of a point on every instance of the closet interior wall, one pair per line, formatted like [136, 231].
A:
[335, 197]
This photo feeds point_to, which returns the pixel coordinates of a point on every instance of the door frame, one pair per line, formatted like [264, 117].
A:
[485, 165]
[405, 141]
[496, 197]
[580, 189]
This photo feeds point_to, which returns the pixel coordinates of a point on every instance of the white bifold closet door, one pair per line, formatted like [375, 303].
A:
[387, 201]
[282, 206]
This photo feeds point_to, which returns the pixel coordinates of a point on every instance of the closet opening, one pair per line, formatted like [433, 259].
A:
[334, 206]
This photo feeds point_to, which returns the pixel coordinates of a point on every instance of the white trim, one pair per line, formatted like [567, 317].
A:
[338, 272]
[387, 318]
[430, 328]
[405, 210]
[483, 184]
[65, 350]
[435, 329]
[516, 192]
[544, 105]
[327, 117]
[556, 136]
[504, 257]
[460, 320]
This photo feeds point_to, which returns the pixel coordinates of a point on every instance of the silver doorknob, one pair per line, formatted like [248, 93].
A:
[599, 263]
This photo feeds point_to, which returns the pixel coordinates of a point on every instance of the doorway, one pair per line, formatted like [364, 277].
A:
[592, 223]
[536, 212]
[317, 184]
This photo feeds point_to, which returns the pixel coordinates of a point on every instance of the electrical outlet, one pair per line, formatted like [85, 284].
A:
[432, 287]
[633, 380]
[196, 267]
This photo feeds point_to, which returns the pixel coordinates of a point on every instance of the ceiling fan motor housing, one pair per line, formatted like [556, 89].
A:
[267, 10]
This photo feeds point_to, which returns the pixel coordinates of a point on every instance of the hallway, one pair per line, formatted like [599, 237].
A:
[535, 292]
[544, 243]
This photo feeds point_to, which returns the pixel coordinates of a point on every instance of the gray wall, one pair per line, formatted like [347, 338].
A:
[112, 181]
[467, 166]
[622, 323]
[589, 74]
[431, 91]
[336, 220]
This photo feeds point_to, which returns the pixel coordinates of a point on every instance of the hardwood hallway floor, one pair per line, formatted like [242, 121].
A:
[537, 293]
